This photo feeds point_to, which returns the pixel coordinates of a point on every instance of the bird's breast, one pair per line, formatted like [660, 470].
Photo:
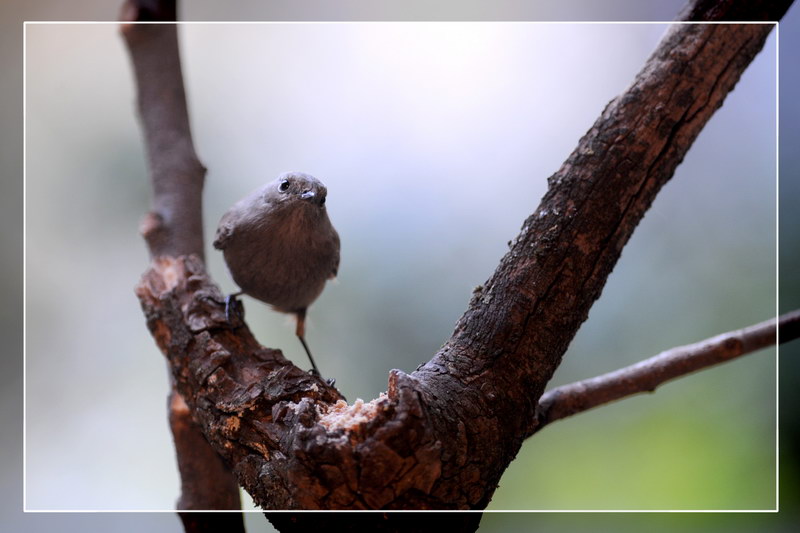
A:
[286, 269]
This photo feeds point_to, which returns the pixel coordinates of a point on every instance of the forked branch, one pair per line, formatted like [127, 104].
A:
[293, 445]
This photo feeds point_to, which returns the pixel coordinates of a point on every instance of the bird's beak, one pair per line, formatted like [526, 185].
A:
[308, 195]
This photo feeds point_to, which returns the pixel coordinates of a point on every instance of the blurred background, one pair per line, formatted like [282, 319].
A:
[435, 141]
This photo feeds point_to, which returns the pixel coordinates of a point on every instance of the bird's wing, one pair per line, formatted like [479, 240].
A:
[224, 232]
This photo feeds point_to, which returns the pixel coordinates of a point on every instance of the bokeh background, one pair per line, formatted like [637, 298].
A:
[435, 141]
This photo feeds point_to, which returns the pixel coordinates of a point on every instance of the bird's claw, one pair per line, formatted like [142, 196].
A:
[233, 307]
[330, 381]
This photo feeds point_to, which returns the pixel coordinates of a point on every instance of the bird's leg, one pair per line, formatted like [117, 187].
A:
[300, 331]
[233, 305]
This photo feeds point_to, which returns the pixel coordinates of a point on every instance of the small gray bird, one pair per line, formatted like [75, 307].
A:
[280, 246]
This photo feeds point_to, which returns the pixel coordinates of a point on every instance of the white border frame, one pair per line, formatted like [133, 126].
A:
[565, 511]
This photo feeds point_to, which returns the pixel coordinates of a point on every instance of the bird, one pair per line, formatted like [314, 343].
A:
[280, 246]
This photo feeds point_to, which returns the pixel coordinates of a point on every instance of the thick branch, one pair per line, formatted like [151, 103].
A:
[510, 341]
[733, 11]
[175, 227]
[647, 375]
[431, 522]
[442, 436]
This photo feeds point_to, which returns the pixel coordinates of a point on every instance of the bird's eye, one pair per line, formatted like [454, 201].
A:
[322, 202]
[284, 185]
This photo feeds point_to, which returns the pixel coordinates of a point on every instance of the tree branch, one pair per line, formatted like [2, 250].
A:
[174, 227]
[430, 522]
[293, 445]
[647, 375]
[175, 224]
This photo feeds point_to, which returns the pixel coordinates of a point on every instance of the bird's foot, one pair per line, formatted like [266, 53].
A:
[233, 308]
[314, 372]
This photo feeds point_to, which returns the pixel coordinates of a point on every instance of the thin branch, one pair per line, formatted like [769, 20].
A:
[175, 224]
[175, 227]
[647, 375]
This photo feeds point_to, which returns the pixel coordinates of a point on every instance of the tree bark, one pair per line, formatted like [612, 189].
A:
[173, 228]
[442, 436]
[431, 522]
